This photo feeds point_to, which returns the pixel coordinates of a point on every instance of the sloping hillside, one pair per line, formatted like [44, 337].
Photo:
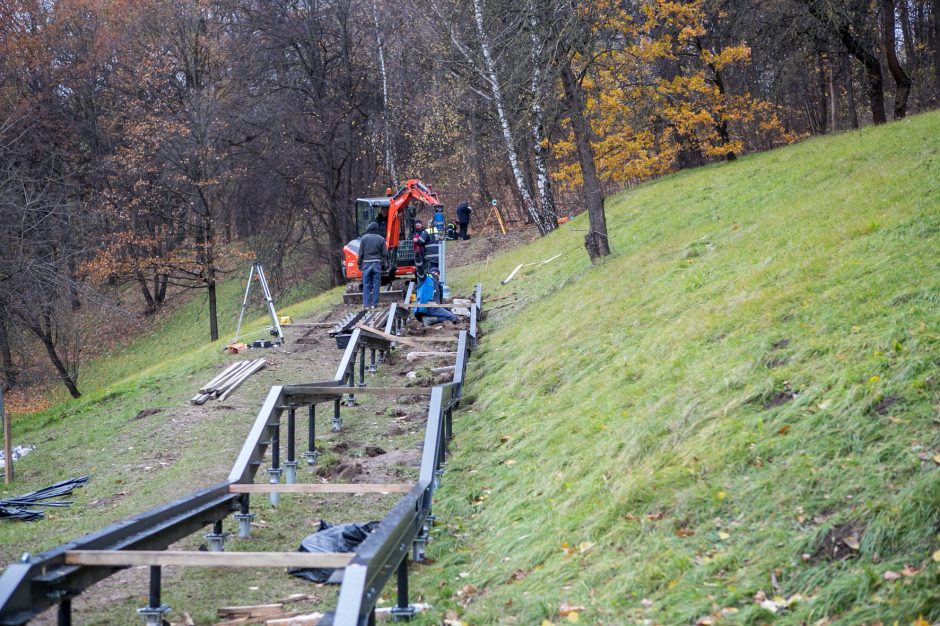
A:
[735, 419]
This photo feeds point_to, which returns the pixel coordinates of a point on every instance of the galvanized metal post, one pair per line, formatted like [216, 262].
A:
[448, 425]
[372, 361]
[291, 465]
[337, 419]
[351, 382]
[64, 617]
[403, 610]
[362, 366]
[244, 518]
[153, 613]
[274, 472]
[216, 538]
[311, 453]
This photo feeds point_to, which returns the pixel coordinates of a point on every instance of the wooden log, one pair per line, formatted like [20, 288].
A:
[319, 488]
[127, 558]
[236, 383]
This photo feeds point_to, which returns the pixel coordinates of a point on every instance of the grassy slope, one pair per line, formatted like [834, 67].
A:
[98, 435]
[632, 436]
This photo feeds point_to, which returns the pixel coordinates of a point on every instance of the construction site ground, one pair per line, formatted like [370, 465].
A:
[380, 442]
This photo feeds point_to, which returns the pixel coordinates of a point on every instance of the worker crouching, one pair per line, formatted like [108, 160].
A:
[429, 292]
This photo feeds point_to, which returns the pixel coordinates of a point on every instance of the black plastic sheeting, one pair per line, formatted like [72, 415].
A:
[330, 538]
[15, 508]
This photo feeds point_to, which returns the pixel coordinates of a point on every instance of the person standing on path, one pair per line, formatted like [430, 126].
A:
[463, 218]
[371, 254]
[419, 241]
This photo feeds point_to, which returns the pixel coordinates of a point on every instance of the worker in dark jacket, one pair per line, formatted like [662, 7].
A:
[371, 255]
[419, 241]
[463, 218]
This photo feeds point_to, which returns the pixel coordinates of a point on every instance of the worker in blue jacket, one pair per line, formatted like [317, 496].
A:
[429, 293]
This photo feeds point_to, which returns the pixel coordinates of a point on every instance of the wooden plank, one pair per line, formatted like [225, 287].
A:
[247, 374]
[309, 324]
[225, 380]
[434, 339]
[126, 558]
[310, 619]
[228, 370]
[384, 335]
[254, 610]
[509, 278]
[443, 305]
[382, 391]
[319, 488]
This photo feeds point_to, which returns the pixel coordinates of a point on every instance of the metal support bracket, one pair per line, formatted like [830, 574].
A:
[244, 524]
[274, 477]
[153, 616]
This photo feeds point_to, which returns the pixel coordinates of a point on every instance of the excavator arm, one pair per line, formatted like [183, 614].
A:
[413, 189]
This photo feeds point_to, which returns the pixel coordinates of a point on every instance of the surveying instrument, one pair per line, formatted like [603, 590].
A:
[276, 324]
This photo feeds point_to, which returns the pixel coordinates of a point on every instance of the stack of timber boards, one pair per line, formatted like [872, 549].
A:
[229, 380]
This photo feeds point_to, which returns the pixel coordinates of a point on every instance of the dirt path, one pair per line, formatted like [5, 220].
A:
[380, 442]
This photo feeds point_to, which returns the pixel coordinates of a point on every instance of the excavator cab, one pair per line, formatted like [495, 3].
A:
[396, 215]
[402, 258]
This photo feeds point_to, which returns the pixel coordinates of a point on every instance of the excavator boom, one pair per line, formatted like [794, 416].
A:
[397, 222]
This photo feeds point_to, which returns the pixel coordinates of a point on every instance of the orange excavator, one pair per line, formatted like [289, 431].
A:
[395, 215]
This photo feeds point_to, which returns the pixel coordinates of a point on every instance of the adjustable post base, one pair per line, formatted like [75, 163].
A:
[290, 468]
[216, 541]
[274, 477]
[244, 524]
[153, 616]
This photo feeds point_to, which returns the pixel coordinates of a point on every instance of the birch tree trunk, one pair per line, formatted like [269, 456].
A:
[389, 155]
[543, 180]
[542, 222]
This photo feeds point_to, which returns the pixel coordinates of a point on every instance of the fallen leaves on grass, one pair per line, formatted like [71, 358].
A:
[565, 609]
[891, 575]
[518, 575]
[684, 532]
[452, 619]
[777, 603]
[851, 541]
[658, 515]
[465, 595]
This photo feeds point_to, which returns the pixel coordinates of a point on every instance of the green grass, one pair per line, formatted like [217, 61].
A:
[751, 377]
[748, 382]
[136, 464]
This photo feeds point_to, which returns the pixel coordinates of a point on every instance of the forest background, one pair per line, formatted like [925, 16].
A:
[147, 149]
